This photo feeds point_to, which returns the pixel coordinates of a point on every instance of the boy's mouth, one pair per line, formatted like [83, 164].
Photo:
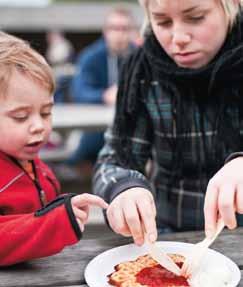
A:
[34, 144]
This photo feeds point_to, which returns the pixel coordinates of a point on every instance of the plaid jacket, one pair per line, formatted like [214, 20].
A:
[180, 205]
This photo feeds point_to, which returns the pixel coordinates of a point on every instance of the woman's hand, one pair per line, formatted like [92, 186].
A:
[224, 196]
[132, 213]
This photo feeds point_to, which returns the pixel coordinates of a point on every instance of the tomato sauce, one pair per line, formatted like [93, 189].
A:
[158, 276]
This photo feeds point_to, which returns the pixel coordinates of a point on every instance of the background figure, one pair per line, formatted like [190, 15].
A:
[59, 49]
[60, 54]
[95, 81]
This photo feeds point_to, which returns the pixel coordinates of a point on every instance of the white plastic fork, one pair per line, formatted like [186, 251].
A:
[193, 260]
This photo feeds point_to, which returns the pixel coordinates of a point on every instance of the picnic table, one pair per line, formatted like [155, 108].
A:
[66, 269]
[82, 116]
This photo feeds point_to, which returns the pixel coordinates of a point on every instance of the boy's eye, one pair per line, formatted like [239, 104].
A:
[46, 114]
[20, 119]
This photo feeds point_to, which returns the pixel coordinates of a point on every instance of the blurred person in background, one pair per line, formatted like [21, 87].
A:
[59, 49]
[95, 80]
[60, 55]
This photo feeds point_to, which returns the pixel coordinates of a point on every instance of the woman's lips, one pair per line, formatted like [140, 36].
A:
[186, 58]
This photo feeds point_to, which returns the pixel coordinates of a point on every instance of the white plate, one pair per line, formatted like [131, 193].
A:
[102, 265]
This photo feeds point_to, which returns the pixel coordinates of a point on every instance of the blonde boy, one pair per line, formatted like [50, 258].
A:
[35, 220]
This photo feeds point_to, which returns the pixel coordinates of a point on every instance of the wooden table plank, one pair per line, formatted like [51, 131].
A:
[67, 268]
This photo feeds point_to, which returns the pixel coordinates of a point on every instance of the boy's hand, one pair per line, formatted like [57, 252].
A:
[80, 204]
[132, 213]
[224, 196]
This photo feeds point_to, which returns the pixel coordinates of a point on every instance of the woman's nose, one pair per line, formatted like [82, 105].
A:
[180, 38]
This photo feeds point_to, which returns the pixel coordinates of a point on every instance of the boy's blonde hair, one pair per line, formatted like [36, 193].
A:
[16, 54]
[231, 9]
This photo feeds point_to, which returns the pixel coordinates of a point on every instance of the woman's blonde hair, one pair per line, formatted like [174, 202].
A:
[16, 54]
[231, 9]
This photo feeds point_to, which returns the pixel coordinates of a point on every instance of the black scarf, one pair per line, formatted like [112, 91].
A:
[152, 63]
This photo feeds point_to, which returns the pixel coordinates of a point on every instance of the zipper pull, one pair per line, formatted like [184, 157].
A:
[43, 197]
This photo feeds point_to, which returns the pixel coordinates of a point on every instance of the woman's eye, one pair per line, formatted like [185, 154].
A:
[196, 18]
[166, 23]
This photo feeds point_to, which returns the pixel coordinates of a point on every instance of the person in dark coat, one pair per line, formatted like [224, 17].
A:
[180, 105]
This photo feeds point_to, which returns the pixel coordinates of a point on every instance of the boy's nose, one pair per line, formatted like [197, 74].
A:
[37, 125]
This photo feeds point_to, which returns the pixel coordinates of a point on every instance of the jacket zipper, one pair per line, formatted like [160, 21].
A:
[41, 193]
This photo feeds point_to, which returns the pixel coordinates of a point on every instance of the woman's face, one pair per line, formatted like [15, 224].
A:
[190, 31]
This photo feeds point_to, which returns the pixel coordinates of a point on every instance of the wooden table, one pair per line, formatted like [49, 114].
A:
[67, 268]
[81, 116]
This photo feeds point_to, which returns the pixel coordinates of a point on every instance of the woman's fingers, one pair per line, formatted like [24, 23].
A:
[224, 196]
[239, 198]
[147, 215]
[226, 204]
[117, 220]
[221, 200]
[211, 208]
[133, 221]
[132, 214]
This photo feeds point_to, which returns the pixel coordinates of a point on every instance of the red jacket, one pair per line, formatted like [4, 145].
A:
[28, 228]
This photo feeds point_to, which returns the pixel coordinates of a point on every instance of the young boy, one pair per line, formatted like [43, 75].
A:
[35, 221]
[180, 103]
